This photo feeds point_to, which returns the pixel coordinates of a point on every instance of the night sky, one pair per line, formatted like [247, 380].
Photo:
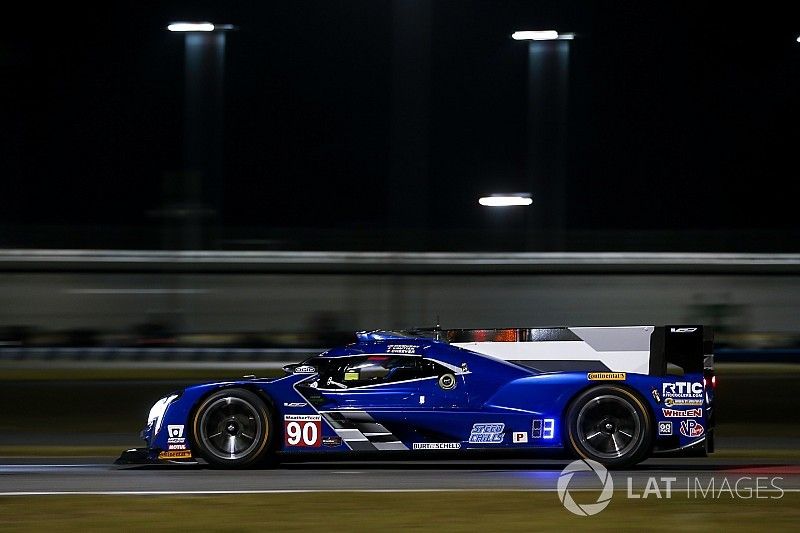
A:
[682, 115]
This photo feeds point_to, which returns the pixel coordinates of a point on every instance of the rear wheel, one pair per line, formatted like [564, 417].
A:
[232, 427]
[610, 425]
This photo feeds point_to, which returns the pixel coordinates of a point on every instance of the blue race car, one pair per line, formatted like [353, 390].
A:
[616, 395]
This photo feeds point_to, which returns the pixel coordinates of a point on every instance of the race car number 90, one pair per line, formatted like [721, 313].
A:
[302, 430]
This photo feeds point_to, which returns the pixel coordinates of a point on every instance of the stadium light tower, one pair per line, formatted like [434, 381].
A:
[548, 86]
[204, 69]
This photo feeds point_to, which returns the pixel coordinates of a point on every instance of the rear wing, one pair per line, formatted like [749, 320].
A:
[649, 350]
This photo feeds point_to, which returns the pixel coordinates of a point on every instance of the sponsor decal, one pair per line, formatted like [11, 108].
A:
[294, 404]
[606, 376]
[351, 376]
[436, 446]
[487, 433]
[332, 442]
[665, 428]
[175, 433]
[302, 430]
[656, 395]
[447, 381]
[176, 446]
[519, 437]
[175, 454]
[683, 389]
[669, 402]
[686, 413]
[691, 428]
[543, 428]
[682, 330]
[305, 369]
[401, 348]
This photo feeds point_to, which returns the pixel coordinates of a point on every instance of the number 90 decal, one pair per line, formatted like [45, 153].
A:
[302, 430]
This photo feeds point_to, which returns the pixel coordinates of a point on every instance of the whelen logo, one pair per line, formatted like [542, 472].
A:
[688, 413]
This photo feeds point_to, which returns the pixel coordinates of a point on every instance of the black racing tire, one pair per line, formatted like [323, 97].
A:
[232, 428]
[611, 425]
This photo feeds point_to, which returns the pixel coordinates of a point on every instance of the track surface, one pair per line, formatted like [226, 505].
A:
[98, 476]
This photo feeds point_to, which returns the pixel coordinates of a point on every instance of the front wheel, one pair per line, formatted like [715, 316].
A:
[233, 428]
[610, 425]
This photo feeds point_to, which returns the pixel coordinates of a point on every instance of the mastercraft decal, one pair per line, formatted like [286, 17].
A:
[487, 433]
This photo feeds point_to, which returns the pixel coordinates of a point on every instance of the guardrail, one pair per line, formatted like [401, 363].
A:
[272, 357]
[388, 262]
[275, 357]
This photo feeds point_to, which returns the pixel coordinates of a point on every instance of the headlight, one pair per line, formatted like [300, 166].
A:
[156, 415]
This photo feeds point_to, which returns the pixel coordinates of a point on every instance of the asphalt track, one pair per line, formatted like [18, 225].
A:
[99, 476]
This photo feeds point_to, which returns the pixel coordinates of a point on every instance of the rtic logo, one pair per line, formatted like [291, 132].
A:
[691, 428]
[175, 431]
[585, 509]
[688, 413]
[683, 389]
[682, 330]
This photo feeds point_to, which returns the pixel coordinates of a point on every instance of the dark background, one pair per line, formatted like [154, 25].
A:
[681, 128]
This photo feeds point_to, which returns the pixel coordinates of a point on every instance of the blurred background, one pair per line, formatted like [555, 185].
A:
[182, 204]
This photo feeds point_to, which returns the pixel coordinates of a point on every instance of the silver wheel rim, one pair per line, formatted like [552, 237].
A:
[609, 426]
[230, 428]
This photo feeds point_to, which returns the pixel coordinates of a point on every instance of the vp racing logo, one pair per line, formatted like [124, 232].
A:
[585, 509]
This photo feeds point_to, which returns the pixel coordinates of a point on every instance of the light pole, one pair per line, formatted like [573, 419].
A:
[204, 45]
[548, 86]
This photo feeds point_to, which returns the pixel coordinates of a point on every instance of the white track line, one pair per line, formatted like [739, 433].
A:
[285, 491]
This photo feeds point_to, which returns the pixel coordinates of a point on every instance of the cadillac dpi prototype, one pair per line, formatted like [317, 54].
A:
[616, 395]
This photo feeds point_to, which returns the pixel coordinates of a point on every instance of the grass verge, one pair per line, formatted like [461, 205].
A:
[442, 511]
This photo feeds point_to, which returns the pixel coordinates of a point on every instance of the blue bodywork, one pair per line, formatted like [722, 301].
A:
[493, 404]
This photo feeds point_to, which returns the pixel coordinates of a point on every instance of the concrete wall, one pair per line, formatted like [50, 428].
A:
[297, 302]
